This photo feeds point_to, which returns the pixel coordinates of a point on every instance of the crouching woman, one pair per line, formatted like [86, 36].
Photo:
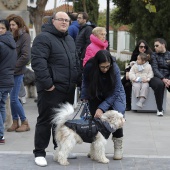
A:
[103, 89]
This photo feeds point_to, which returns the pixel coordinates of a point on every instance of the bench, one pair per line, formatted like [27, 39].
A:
[150, 102]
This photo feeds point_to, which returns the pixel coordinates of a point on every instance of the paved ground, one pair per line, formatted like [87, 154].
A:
[146, 146]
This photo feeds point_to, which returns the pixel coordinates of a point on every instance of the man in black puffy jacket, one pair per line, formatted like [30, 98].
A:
[160, 62]
[56, 66]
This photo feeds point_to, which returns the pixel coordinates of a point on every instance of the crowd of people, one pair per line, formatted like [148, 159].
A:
[158, 80]
[70, 51]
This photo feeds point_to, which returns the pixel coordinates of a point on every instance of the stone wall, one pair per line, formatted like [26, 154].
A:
[18, 7]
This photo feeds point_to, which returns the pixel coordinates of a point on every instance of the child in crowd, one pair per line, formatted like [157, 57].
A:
[140, 74]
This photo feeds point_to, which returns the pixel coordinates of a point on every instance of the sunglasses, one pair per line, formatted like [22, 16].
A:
[142, 46]
[156, 45]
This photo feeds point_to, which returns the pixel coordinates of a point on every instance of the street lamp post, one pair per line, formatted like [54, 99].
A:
[107, 21]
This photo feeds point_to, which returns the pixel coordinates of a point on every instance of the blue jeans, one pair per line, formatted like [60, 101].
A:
[3, 96]
[22, 91]
[16, 107]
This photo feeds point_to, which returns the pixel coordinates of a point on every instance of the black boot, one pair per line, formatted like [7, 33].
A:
[128, 107]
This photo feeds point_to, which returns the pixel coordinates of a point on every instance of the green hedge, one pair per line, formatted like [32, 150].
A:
[121, 65]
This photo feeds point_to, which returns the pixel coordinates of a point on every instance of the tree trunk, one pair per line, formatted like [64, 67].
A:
[84, 5]
[37, 14]
[91, 7]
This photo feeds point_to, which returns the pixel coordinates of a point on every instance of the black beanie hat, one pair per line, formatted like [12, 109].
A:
[5, 22]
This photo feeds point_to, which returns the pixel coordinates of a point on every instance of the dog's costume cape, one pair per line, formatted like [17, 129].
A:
[88, 129]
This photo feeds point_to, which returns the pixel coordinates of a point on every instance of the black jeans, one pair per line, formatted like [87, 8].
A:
[128, 90]
[93, 105]
[46, 102]
[158, 87]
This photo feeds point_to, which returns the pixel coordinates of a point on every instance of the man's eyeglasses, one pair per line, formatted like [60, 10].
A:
[142, 46]
[79, 18]
[62, 19]
[156, 45]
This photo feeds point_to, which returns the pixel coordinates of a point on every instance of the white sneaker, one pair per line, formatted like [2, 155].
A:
[23, 100]
[40, 161]
[72, 156]
[139, 104]
[159, 113]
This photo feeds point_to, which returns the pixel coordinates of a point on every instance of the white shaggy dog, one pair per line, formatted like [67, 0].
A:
[67, 138]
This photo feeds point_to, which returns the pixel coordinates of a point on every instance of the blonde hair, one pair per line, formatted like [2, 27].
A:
[98, 30]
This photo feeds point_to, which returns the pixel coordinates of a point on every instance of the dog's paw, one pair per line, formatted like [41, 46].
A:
[105, 161]
[91, 156]
[55, 156]
[65, 163]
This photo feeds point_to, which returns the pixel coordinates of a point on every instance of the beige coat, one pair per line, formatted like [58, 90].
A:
[145, 74]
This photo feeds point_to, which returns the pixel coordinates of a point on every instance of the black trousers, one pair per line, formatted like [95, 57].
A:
[128, 90]
[46, 102]
[93, 105]
[158, 87]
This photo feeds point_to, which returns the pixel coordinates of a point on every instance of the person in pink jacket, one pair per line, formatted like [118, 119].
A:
[98, 42]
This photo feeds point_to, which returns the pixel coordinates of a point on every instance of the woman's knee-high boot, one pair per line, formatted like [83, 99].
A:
[118, 148]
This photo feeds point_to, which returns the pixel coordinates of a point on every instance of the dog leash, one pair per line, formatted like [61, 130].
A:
[78, 110]
[87, 111]
[87, 114]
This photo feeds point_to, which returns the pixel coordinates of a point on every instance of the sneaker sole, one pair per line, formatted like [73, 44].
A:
[160, 115]
[2, 143]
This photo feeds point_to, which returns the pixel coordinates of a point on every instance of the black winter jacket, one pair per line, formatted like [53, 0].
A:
[83, 39]
[54, 60]
[160, 63]
[133, 58]
[8, 57]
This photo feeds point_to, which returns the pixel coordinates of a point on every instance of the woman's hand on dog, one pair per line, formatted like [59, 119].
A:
[98, 113]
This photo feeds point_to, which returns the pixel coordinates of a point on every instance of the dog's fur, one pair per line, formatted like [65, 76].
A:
[66, 138]
[29, 83]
